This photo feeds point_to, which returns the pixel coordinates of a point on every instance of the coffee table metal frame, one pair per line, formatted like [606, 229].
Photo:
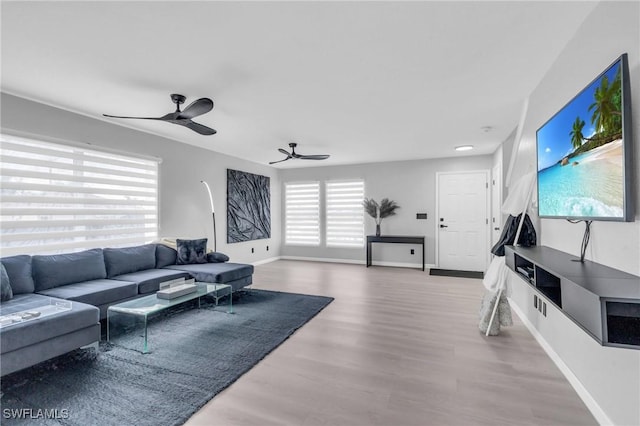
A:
[146, 306]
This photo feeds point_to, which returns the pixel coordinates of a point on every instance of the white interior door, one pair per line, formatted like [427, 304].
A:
[496, 203]
[463, 220]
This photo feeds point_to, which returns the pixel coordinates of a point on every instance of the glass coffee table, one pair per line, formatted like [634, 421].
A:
[146, 306]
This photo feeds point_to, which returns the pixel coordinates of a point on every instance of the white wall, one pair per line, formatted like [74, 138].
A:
[184, 204]
[411, 184]
[610, 375]
[504, 155]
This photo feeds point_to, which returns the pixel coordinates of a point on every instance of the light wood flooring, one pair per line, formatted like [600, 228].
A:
[396, 347]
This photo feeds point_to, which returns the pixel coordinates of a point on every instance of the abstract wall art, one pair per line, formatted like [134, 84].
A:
[248, 206]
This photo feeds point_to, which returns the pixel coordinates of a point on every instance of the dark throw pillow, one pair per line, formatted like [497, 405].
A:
[191, 251]
[5, 286]
[217, 257]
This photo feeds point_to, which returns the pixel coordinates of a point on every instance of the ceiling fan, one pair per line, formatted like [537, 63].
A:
[183, 118]
[293, 155]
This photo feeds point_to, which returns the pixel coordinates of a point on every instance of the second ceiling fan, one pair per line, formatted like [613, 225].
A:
[293, 155]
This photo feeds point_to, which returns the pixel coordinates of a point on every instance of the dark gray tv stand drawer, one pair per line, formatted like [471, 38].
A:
[603, 301]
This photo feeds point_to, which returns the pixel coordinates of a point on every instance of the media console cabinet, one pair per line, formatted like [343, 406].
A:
[603, 301]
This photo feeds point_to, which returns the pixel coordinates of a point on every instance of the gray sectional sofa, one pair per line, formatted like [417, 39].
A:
[93, 280]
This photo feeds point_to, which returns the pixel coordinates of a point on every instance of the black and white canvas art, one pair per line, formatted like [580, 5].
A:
[248, 206]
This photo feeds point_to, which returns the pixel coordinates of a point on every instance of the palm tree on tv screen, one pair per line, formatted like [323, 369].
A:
[576, 133]
[606, 107]
[616, 115]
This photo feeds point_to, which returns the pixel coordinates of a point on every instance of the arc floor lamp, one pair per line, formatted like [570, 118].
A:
[213, 213]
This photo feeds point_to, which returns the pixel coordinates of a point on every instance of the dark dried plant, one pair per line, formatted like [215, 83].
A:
[371, 207]
[386, 207]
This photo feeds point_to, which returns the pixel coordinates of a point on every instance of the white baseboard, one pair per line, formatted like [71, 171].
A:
[263, 261]
[358, 262]
[595, 409]
[427, 266]
[323, 259]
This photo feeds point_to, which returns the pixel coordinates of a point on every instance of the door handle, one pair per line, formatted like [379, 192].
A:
[496, 229]
[443, 226]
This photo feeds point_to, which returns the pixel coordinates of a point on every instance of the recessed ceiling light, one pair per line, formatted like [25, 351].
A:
[464, 148]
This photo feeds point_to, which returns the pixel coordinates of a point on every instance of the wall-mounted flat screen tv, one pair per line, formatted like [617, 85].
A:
[584, 152]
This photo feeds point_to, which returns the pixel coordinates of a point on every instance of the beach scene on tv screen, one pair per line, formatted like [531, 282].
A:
[580, 154]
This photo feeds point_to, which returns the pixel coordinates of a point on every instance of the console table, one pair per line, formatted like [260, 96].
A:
[603, 301]
[398, 239]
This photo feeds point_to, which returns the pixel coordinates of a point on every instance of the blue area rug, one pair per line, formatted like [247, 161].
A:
[195, 354]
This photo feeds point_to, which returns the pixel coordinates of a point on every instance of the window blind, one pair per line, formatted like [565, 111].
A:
[302, 213]
[56, 198]
[345, 213]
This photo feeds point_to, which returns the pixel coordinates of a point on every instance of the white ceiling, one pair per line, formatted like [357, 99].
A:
[362, 81]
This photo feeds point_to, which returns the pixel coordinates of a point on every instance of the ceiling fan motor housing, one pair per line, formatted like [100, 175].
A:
[178, 99]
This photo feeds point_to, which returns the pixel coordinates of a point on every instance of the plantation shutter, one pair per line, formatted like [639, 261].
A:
[302, 213]
[57, 198]
[345, 213]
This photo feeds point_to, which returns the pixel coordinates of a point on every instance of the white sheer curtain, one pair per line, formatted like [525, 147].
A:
[302, 213]
[345, 213]
[58, 198]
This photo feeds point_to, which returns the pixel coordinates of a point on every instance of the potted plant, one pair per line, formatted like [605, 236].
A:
[377, 211]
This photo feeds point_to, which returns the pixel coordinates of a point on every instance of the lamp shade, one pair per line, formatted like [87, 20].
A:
[210, 196]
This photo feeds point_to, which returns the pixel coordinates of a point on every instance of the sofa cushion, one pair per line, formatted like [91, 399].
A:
[191, 251]
[19, 272]
[95, 292]
[129, 259]
[37, 330]
[217, 257]
[216, 272]
[149, 281]
[61, 269]
[165, 255]
[5, 285]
